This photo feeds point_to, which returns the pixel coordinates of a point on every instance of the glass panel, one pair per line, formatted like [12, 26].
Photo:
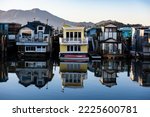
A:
[40, 28]
[67, 34]
[79, 34]
[71, 34]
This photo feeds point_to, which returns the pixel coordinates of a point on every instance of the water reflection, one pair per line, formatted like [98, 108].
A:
[107, 70]
[36, 72]
[3, 70]
[140, 72]
[103, 79]
[73, 74]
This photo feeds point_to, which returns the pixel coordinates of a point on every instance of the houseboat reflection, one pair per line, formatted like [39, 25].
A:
[107, 70]
[140, 72]
[3, 70]
[73, 74]
[36, 72]
[95, 66]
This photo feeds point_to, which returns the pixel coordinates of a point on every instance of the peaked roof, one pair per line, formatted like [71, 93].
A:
[110, 26]
[33, 26]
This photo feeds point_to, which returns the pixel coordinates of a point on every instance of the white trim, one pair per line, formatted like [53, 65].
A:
[85, 58]
[73, 63]
[33, 44]
[73, 52]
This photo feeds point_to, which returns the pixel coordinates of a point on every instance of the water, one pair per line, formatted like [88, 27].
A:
[32, 79]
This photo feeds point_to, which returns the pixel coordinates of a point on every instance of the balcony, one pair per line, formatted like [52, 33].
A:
[71, 41]
[31, 40]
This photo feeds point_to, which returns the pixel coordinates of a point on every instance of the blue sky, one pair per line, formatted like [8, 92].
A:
[127, 11]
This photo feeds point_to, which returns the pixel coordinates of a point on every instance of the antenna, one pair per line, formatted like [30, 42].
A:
[47, 21]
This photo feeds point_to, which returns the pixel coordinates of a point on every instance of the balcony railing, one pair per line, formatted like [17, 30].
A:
[73, 41]
[31, 40]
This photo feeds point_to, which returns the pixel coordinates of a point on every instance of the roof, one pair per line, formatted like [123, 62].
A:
[110, 26]
[33, 26]
[94, 28]
[73, 27]
[125, 29]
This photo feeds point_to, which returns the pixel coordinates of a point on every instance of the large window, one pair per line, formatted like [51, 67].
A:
[71, 34]
[67, 34]
[74, 48]
[79, 34]
[40, 34]
[110, 29]
[75, 35]
[40, 28]
[26, 34]
[30, 49]
[73, 66]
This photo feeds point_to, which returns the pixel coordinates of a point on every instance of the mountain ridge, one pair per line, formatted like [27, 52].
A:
[23, 16]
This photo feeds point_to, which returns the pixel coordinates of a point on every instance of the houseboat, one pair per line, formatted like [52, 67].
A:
[110, 68]
[11, 30]
[146, 44]
[93, 35]
[127, 38]
[110, 42]
[34, 39]
[73, 74]
[73, 44]
[142, 43]
[140, 72]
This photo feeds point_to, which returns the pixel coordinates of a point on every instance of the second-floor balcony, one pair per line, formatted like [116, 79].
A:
[31, 40]
[73, 41]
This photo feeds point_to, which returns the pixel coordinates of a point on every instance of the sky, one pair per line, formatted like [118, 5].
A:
[126, 11]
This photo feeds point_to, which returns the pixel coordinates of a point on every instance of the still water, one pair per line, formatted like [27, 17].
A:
[34, 79]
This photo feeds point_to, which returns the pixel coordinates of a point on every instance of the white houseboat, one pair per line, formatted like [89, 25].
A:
[34, 38]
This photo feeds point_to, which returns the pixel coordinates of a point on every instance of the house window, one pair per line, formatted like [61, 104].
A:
[26, 34]
[75, 48]
[106, 30]
[114, 30]
[75, 35]
[40, 28]
[30, 49]
[73, 66]
[67, 34]
[110, 29]
[79, 34]
[71, 34]
[40, 34]
[79, 48]
[46, 38]
[68, 48]
[72, 48]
